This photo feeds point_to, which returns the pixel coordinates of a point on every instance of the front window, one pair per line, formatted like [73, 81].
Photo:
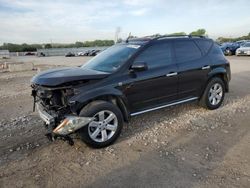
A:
[112, 58]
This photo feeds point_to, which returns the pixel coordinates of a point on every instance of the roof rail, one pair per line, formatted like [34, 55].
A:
[151, 38]
[186, 36]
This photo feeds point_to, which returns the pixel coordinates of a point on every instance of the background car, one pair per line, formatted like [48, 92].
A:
[70, 54]
[244, 49]
[80, 53]
[88, 52]
[94, 52]
[229, 48]
[29, 53]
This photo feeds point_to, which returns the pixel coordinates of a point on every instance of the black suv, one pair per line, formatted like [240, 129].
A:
[128, 79]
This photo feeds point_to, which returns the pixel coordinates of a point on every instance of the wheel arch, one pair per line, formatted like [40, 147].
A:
[220, 73]
[113, 95]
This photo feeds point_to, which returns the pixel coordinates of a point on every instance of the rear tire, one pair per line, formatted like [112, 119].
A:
[105, 128]
[213, 95]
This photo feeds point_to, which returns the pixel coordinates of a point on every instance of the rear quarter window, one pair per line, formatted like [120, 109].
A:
[186, 51]
[204, 45]
[216, 50]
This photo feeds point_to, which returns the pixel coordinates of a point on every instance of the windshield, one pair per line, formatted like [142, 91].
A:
[112, 58]
[246, 44]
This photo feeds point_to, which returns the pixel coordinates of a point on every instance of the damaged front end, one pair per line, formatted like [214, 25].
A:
[53, 108]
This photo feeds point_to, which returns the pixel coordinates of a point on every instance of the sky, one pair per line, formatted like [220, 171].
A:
[67, 21]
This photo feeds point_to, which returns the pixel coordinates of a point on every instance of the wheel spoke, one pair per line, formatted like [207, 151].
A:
[104, 135]
[218, 97]
[111, 127]
[95, 133]
[93, 124]
[211, 98]
[110, 118]
[101, 116]
[214, 101]
[219, 90]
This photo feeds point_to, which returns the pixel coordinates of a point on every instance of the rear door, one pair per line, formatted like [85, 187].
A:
[158, 84]
[193, 67]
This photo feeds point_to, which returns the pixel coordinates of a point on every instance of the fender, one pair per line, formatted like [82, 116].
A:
[79, 101]
[220, 71]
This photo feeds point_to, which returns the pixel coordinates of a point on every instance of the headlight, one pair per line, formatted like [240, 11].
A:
[70, 124]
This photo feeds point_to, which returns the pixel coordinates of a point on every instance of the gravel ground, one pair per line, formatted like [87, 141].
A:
[182, 146]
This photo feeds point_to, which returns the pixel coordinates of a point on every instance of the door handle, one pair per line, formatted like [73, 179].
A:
[205, 67]
[171, 74]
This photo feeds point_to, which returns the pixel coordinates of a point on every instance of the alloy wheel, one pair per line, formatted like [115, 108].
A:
[215, 94]
[103, 127]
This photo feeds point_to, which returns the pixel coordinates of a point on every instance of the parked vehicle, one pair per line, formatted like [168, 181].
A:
[229, 48]
[244, 49]
[70, 54]
[41, 54]
[80, 54]
[126, 80]
[30, 53]
[88, 52]
[94, 52]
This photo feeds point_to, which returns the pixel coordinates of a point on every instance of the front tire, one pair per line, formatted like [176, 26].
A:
[228, 52]
[213, 95]
[106, 126]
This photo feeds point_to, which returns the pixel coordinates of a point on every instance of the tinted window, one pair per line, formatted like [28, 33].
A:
[186, 51]
[204, 45]
[216, 50]
[156, 55]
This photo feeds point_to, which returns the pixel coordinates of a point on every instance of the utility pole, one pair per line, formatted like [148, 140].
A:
[117, 32]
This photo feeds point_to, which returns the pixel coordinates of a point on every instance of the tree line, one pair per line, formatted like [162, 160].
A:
[33, 47]
[230, 39]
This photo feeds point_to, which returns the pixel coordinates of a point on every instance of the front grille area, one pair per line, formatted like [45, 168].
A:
[52, 100]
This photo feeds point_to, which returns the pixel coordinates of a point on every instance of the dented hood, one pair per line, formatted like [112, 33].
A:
[55, 77]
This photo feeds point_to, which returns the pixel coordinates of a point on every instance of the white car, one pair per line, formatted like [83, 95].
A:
[80, 53]
[244, 49]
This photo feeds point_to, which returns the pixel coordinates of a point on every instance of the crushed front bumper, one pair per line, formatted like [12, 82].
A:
[47, 118]
[68, 125]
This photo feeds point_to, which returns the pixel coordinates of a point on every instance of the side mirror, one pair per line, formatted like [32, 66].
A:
[139, 66]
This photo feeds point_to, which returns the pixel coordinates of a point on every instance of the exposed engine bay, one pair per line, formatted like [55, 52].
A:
[52, 106]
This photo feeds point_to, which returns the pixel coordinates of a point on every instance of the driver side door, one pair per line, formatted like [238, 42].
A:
[156, 86]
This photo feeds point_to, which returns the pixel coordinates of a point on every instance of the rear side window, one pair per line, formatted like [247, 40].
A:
[204, 45]
[186, 51]
[157, 55]
[216, 50]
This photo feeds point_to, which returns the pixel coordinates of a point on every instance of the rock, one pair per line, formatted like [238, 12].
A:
[155, 140]
[18, 148]
[166, 153]
[183, 158]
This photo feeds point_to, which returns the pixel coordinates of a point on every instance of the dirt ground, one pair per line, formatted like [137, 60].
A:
[182, 146]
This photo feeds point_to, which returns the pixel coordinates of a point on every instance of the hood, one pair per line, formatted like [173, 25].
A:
[55, 77]
[244, 48]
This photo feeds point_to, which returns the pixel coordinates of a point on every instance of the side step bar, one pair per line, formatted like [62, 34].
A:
[164, 106]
